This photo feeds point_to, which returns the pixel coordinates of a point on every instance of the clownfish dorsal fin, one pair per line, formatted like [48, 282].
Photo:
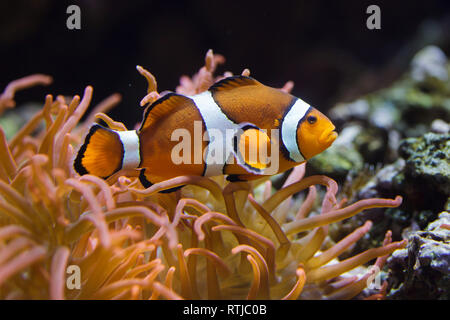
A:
[161, 108]
[233, 82]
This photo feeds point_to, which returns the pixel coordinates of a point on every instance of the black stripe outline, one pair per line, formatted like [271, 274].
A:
[284, 150]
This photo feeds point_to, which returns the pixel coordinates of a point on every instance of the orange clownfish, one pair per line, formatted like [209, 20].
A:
[236, 119]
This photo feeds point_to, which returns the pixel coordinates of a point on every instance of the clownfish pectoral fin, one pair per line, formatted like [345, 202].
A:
[233, 82]
[251, 147]
[145, 178]
[162, 107]
[101, 154]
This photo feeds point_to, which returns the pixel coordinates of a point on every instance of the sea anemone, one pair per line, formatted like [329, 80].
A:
[210, 240]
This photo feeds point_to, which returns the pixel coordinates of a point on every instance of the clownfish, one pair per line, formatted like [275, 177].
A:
[237, 104]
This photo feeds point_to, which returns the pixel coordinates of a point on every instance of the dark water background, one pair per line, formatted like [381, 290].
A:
[323, 46]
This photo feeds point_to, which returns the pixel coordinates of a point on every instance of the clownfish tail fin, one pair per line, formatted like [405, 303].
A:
[101, 153]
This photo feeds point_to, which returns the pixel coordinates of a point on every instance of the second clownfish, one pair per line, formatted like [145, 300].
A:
[236, 104]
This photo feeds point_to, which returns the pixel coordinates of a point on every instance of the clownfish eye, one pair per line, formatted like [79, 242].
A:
[311, 119]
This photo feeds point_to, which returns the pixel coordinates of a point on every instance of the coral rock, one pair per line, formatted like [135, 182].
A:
[421, 270]
[427, 159]
[429, 62]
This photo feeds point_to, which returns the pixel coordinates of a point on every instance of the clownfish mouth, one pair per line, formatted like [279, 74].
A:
[328, 137]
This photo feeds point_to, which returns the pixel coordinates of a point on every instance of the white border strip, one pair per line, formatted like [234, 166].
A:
[289, 129]
[215, 119]
[131, 153]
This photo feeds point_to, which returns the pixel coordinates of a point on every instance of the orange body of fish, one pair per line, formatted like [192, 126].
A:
[238, 127]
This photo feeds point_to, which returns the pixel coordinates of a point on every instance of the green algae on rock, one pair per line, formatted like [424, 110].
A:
[373, 125]
[420, 96]
[427, 159]
[422, 177]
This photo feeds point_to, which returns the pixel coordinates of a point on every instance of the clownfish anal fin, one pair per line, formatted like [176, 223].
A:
[234, 178]
[233, 82]
[144, 178]
[171, 189]
[243, 177]
[161, 107]
[251, 147]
